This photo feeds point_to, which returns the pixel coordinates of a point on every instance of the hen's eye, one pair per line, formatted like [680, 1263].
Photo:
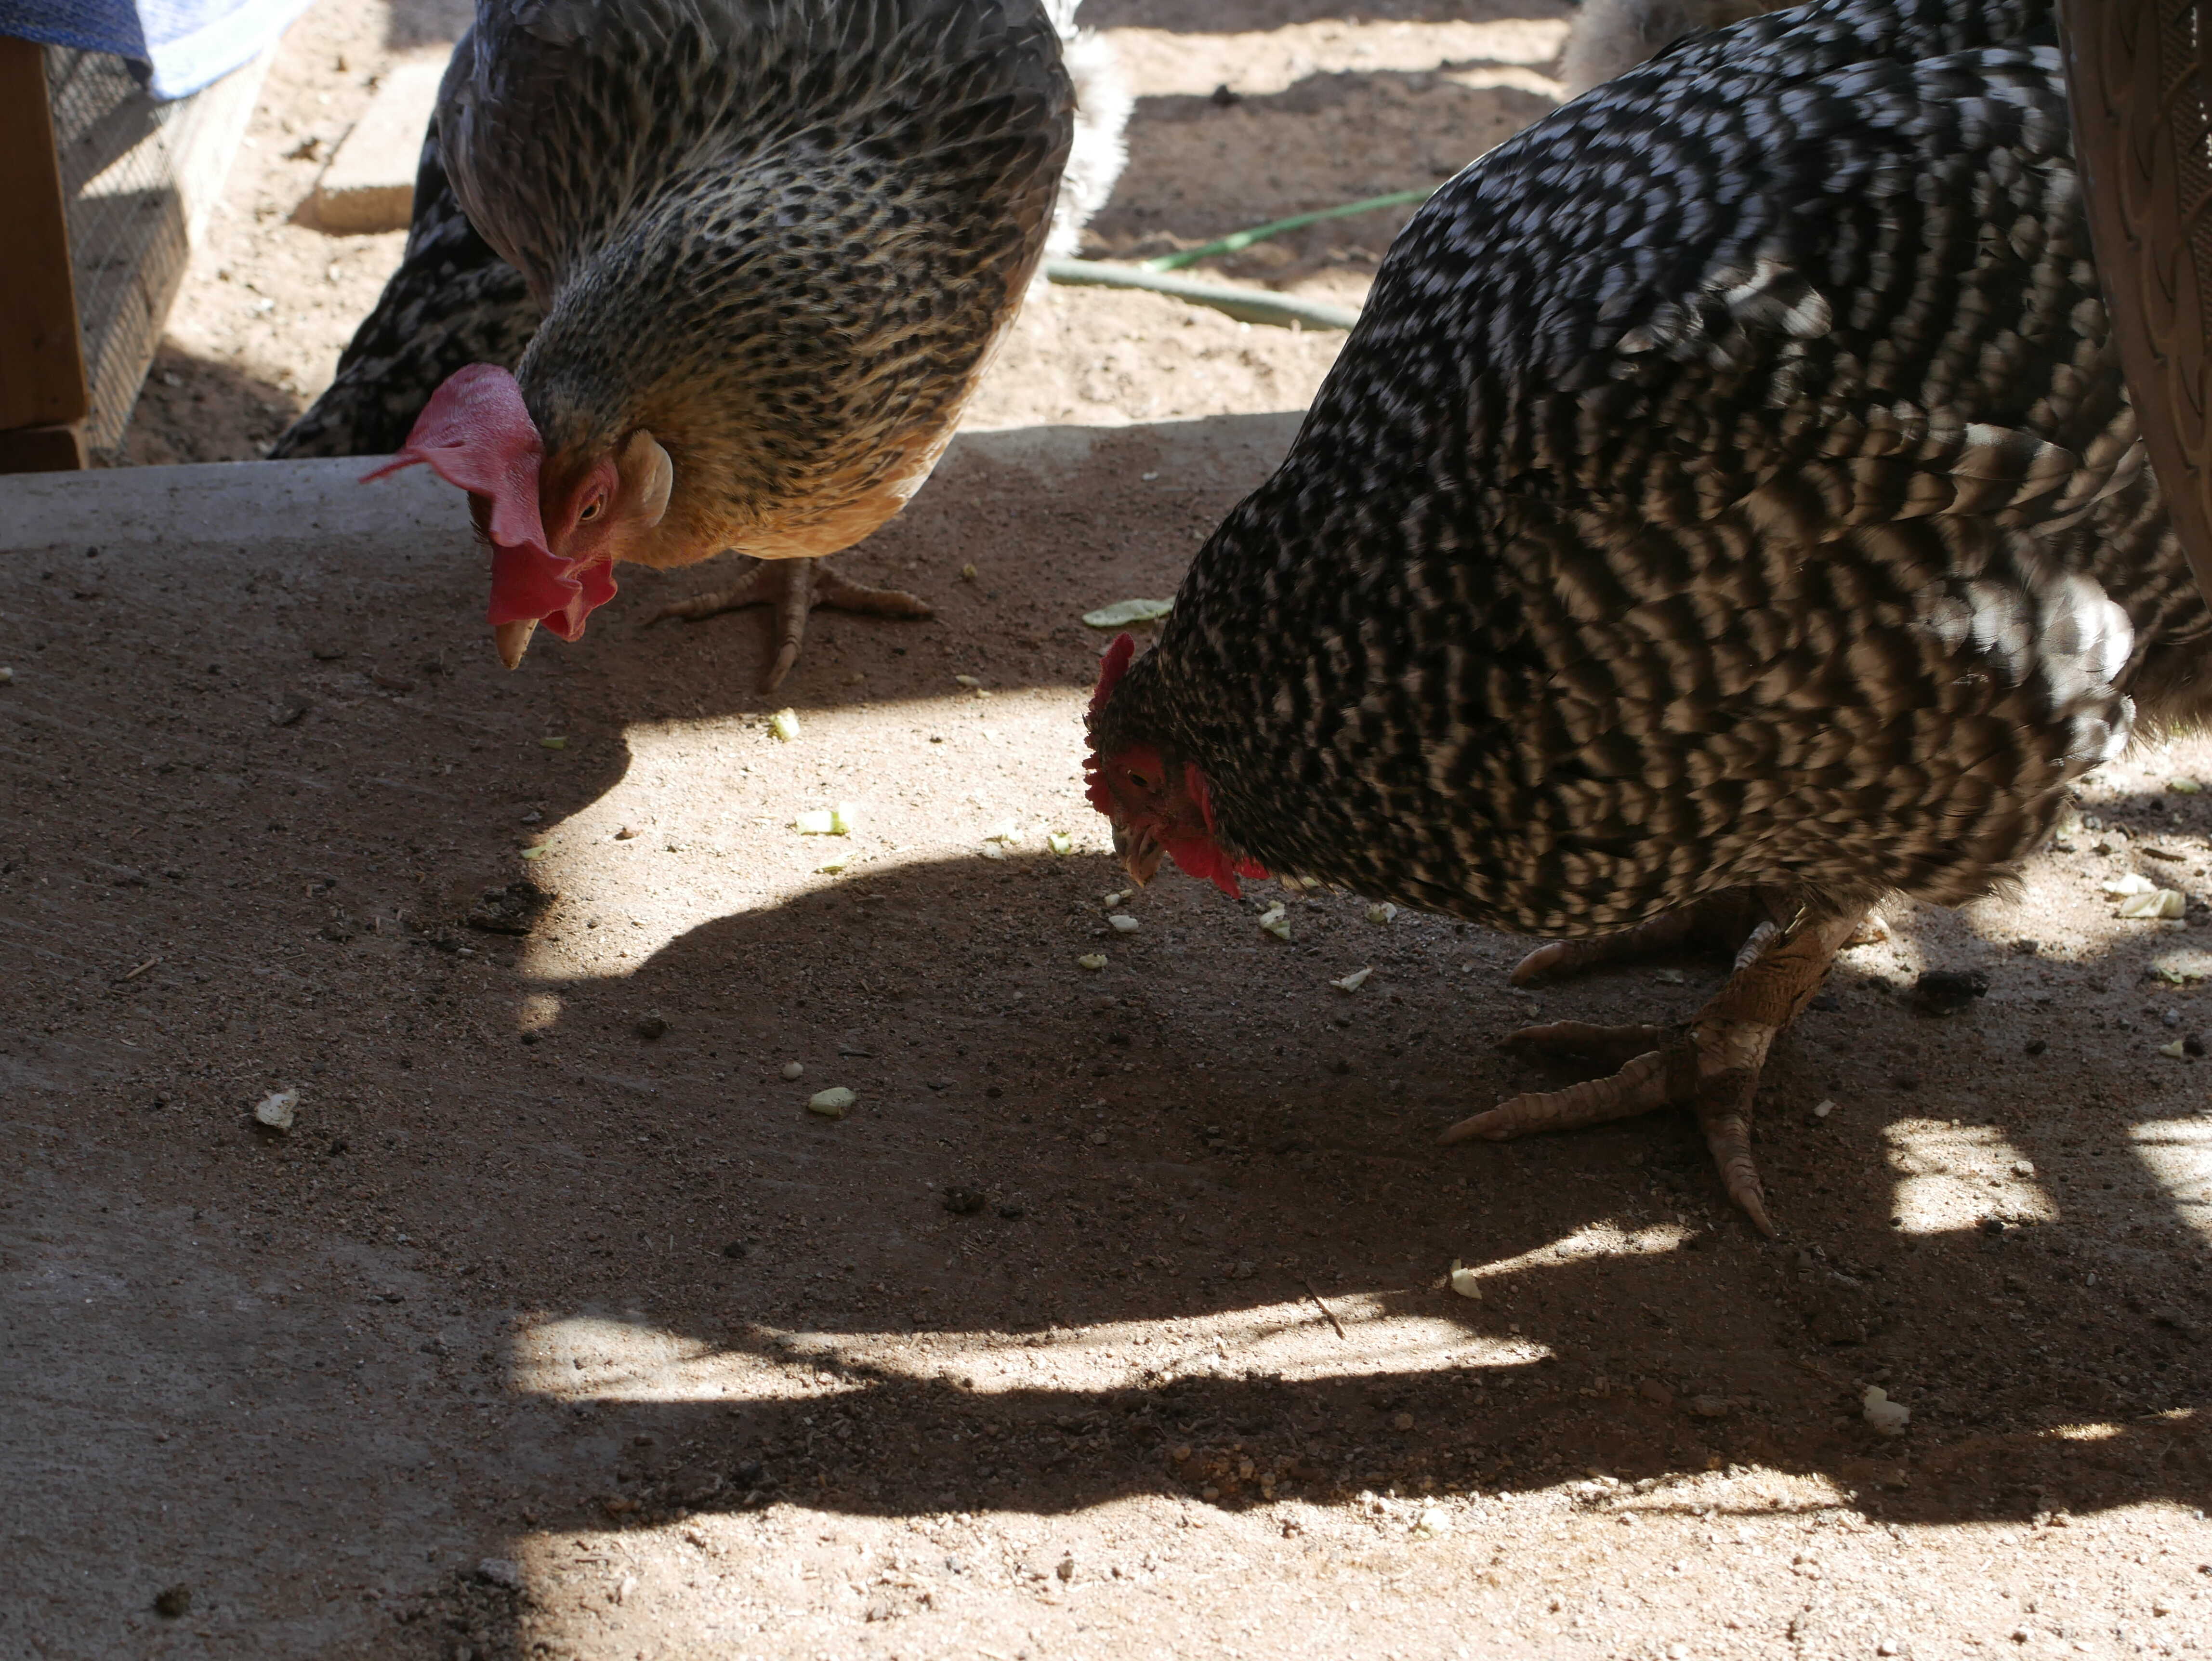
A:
[1139, 780]
[591, 510]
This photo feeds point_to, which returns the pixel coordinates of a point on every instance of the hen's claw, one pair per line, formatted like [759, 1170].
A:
[796, 587]
[1711, 1066]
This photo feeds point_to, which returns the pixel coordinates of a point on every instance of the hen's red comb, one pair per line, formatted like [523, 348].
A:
[475, 432]
[1112, 665]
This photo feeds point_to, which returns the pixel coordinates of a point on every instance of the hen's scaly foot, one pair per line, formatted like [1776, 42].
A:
[796, 587]
[1711, 1065]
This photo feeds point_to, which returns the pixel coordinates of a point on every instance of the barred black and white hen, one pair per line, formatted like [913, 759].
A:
[1728, 511]
[745, 260]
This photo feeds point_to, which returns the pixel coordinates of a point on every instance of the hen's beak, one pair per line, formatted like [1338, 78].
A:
[512, 640]
[1140, 853]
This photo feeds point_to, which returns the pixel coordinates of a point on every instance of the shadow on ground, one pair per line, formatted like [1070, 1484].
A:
[254, 796]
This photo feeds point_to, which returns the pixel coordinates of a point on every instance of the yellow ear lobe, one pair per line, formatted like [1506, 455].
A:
[647, 477]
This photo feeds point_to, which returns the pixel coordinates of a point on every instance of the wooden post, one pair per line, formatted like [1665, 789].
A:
[2137, 73]
[43, 396]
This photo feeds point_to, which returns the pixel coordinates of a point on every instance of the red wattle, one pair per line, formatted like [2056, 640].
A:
[475, 432]
[1206, 862]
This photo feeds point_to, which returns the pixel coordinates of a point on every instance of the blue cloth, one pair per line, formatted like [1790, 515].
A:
[186, 43]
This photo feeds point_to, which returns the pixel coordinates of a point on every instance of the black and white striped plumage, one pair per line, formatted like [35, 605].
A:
[1729, 483]
[453, 302]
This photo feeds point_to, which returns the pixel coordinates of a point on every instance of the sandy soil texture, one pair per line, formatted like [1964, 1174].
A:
[1114, 1317]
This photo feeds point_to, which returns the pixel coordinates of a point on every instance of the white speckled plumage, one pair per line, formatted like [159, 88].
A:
[1729, 484]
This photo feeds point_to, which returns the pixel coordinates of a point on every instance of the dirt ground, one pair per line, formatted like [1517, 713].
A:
[1115, 1316]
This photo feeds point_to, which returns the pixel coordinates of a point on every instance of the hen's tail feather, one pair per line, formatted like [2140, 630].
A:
[451, 302]
[1098, 150]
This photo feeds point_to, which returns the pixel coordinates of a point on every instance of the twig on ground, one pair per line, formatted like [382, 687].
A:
[1327, 1311]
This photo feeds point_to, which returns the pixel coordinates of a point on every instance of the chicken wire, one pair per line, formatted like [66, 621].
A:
[128, 236]
[138, 176]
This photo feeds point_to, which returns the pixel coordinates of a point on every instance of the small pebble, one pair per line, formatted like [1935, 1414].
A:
[2037, 1046]
[1887, 1417]
[1431, 1523]
[963, 1201]
[1123, 922]
[278, 1110]
[1098, 1139]
[652, 1026]
[795, 1070]
[784, 725]
[1092, 960]
[1066, 1569]
[173, 1601]
[626, 834]
[500, 1572]
[834, 1102]
[1821, 1109]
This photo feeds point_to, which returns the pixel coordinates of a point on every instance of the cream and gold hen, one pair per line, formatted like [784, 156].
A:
[745, 260]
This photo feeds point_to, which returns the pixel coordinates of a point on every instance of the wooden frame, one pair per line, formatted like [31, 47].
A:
[43, 398]
[2136, 73]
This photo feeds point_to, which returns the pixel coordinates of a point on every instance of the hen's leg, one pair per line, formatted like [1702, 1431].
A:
[1711, 1065]
[796, 587]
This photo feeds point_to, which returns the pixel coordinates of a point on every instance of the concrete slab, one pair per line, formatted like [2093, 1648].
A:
[226, 502]
[369, 185]
[538, 1334]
